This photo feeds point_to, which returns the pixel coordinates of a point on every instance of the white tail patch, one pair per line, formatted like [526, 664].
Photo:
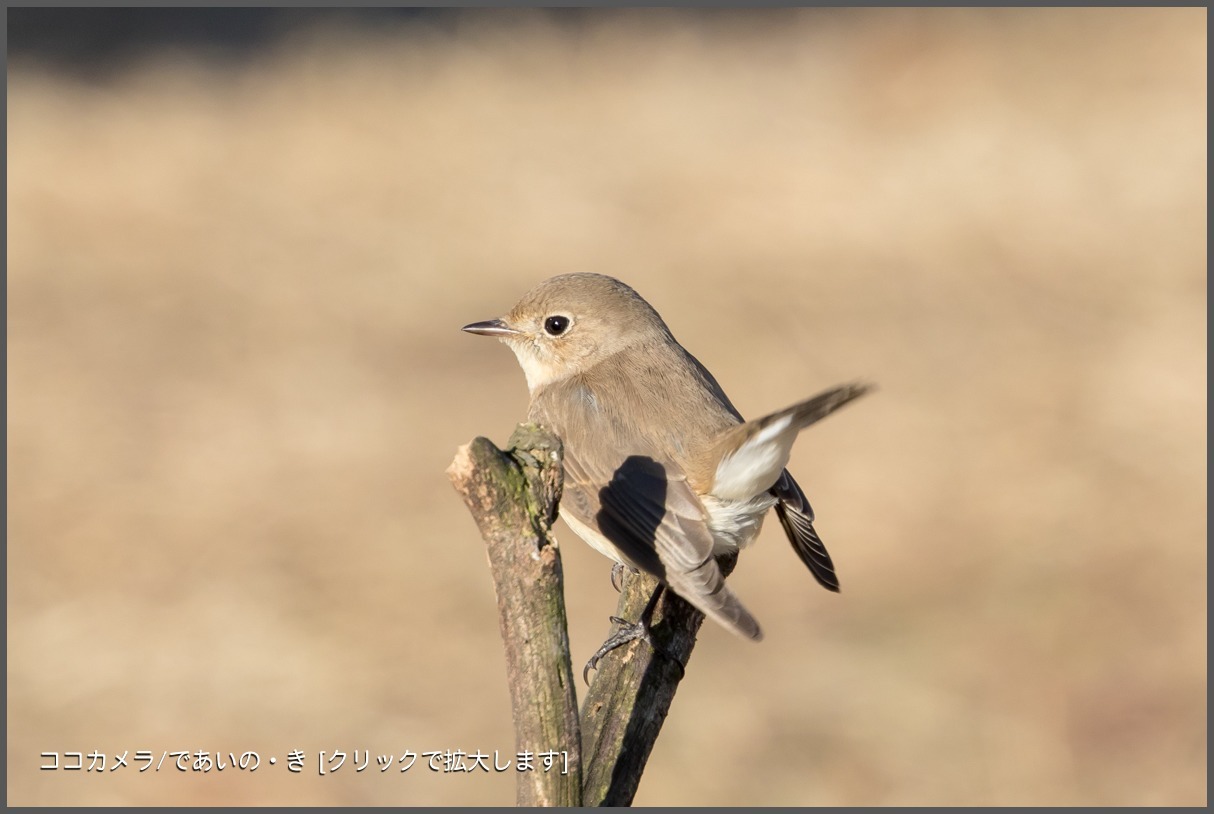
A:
[772, 431]
[735, 523]
[755, 466]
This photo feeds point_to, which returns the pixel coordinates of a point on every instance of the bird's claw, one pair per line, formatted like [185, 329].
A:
[617, 575]
[628, 632]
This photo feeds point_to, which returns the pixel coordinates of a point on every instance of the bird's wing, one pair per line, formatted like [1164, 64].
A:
[797, 518]
[645, 510]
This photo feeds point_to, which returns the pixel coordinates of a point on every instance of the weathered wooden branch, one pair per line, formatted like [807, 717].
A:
[514, 496]
[632, 692]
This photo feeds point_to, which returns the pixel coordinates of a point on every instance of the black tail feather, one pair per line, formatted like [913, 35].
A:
[797, 518]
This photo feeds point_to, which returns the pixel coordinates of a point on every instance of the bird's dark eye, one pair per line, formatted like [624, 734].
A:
[555, 326]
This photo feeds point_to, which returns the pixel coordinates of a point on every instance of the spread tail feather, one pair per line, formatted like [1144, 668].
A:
[797, 518]
[749, 459]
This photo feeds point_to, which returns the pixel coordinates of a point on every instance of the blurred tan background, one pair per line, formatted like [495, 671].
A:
[236, 376]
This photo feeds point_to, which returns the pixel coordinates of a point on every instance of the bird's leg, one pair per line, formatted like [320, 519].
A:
[617, 575]
[629, 631]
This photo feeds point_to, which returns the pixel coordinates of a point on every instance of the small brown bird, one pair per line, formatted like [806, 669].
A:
[661, 471]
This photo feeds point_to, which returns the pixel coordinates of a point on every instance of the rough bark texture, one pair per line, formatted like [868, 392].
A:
[513, 496]
[632, 690]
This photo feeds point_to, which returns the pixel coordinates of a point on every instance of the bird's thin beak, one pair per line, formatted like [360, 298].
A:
[492, 327]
